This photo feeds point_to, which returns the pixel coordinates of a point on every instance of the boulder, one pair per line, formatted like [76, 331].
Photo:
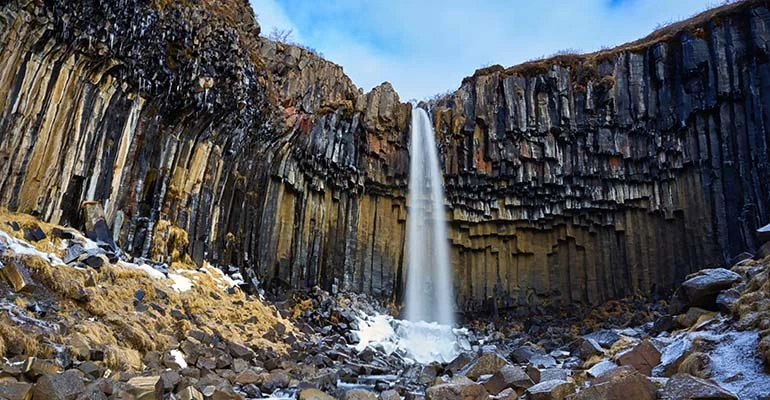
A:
[15, 390]
[551, 390]
[544, 361]
[692, 316]
[313, 394]
[600, 368]
[64, 386]
[96, 225]
[34, 234]
[589, 347]
[489, 363]
[146, 387]
[18, 276]
[550, 374]
[621, 384]
[460, 362]
[672, 356]
[189, 393]
[605, 338]
[702, 289]
[458, 389]
[684, 386]
[509, 376]
[644, 357]
[696, 364]
[358, 394]
[525, 353]
[390, 394]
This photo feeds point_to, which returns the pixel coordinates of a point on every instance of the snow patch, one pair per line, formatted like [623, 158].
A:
[181, 283]
[419, 342]
[179, 358]
[21, 247]
[152, 272]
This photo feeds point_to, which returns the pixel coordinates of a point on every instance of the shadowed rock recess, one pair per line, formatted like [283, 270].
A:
[573, 179]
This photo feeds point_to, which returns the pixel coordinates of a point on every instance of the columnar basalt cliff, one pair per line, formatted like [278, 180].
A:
[574, 179]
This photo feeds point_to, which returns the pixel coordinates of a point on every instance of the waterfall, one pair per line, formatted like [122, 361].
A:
[428, 283]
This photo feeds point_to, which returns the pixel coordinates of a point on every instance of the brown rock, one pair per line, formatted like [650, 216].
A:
[620, 384]
[313, 394]
[189, 393]
[488, 364]
[551, 390]
[685, 387]
[18, 276]
[358, 394]
[693, 315]
[65, 386]
[509, 376]
[696, 364]
[16, 391]
[507, 394]
[589, 348]
[457, 390]
[146, 387]
[390, 394]
[249, 376]
[644, 357]
[34, 367]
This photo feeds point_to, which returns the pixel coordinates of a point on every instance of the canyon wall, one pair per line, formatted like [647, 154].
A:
[573, 179]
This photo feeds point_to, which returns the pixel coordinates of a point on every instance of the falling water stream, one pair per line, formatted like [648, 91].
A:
[428, 333]
[428, 284]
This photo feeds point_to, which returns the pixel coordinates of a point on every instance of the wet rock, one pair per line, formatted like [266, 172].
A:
[625, 385]
[457, 389]
[64, 386]
[509, 376]
[683, 386]
[428, 374]
[489, 363]
[643, 357]
[16, 390]
[313, 394]
[189, 393]
[358, 394]
[551, 390]
[17, 275]
[146, 387]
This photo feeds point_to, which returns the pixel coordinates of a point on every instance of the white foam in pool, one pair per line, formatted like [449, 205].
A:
[420, 342]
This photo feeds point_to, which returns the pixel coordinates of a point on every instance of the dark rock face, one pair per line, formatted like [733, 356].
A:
[573, 180]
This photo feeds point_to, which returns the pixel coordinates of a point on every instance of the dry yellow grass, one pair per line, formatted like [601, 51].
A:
[98, 308]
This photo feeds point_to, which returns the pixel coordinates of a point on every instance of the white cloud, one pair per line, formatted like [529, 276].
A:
[426, 47]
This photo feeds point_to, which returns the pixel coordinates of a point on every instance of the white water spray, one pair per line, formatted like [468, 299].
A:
[428, 283]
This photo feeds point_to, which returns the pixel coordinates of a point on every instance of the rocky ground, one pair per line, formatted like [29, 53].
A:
[81, 320]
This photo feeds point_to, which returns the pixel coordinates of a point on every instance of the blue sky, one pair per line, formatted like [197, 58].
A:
[424, 47]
